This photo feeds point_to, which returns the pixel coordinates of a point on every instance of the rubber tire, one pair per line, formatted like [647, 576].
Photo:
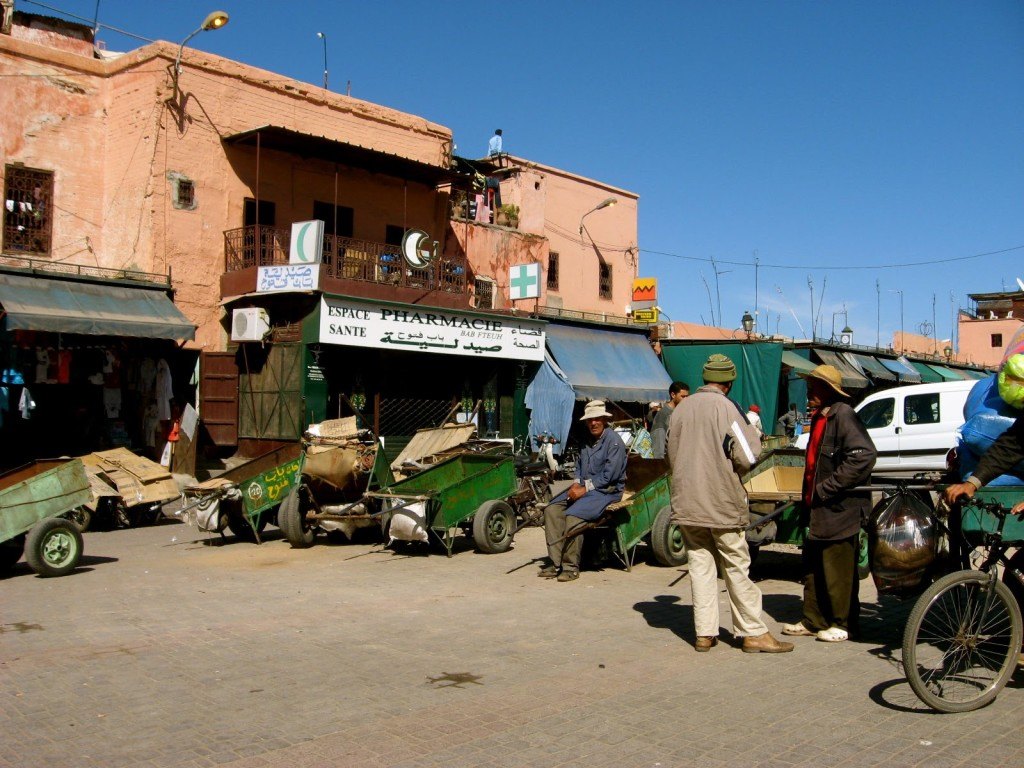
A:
[11, 552]
[667, 540]
[53, 532]
[493, 525]
[291, 519]
[80, 516]
[917, 617]
[238, 523]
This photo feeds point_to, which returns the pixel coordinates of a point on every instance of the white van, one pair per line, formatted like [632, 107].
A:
[913, 427]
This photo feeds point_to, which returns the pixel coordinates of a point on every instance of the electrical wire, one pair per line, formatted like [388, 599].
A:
[88, 21]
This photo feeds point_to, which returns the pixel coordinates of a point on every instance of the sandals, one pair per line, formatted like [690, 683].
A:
[797, 630]
[833, 635]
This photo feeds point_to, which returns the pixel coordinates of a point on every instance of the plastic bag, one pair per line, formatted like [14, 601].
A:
[903, 542]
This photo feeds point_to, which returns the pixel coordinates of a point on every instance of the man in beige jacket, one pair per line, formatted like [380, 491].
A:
[710, 445]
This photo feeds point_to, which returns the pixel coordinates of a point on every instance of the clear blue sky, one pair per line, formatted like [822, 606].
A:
[814, 134]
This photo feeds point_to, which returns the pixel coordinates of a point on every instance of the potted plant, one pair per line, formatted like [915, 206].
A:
[508, 215]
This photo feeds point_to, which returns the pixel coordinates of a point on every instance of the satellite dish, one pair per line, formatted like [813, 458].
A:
[415, 256]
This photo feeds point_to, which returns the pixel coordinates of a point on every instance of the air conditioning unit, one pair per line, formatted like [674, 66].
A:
[249, 324]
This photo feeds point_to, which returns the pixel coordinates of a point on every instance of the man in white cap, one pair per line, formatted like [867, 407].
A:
[710, 446]
[840, 457]
[600, 480]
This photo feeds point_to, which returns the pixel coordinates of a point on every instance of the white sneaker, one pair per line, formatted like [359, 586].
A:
[833, 635]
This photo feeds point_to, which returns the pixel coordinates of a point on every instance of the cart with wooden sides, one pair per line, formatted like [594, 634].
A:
[33, 501]
[773, 491]
[245, 498]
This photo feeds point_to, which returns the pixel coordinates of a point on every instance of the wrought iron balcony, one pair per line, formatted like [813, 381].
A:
[345, 258]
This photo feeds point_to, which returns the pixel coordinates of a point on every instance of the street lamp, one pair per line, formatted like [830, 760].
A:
[607, 202]
[948, 352]
[215, 20]
[748, 323]
[323, 37]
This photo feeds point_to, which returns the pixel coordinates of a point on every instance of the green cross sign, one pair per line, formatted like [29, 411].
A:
[524, 282]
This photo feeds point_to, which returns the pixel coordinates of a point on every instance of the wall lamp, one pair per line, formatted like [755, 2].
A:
[215, 20]
[606, 203]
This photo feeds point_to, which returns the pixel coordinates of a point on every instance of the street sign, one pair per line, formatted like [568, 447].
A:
[645, 292]
[649, 316]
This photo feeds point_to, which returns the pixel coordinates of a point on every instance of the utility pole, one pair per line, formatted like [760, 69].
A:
[810, 284]
[878, 314]
[756, 316]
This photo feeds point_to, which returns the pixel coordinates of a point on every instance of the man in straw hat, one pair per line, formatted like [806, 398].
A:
[710, 446]
[600, 479]
[840, 456]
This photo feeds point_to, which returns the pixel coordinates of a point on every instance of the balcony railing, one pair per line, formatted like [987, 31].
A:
[346, 258]
[46, 266]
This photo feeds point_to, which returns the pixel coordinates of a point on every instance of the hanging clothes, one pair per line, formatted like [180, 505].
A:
[164, 390]
[26, 405]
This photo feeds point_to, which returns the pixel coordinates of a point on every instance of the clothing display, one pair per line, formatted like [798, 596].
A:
[164, 390]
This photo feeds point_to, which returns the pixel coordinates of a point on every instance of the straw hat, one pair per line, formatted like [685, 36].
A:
[830, 375]
[595, 410]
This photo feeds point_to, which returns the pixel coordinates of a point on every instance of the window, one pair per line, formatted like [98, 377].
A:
[183, 191]
[878, 413]
[337, 219]
[552, 271]
[997, 339]
[28, 210]
[921, 409]
[484, 289]
[393, 234]
[604, 285]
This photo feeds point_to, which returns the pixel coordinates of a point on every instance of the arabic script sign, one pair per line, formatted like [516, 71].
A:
[288, 277]
[424, 329]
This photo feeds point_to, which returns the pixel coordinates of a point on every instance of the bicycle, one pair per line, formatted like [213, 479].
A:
[962, 641]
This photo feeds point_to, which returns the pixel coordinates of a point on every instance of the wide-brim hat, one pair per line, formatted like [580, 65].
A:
[595, 410]
[830, 375]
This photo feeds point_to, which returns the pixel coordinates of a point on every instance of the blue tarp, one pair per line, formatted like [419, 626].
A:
[608, 365]
[550, 399]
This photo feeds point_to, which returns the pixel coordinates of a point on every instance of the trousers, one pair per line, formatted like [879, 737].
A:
[831, 585]
[705, 548]
[564, 552]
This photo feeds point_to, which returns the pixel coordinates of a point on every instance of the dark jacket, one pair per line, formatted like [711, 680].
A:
[1003, 455]
[845, 460]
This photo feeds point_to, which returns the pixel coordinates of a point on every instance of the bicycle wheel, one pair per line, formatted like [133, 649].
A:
[957, 654]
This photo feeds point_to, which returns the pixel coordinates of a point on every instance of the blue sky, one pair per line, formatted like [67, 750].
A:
[814, 135]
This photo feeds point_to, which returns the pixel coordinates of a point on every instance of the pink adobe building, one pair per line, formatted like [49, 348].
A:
[985, 330]
[129, 170]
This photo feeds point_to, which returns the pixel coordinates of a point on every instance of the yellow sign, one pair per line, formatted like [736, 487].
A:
[645, 292]
[649, 316]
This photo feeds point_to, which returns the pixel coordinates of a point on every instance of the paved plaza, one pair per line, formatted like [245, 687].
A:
[167, 648]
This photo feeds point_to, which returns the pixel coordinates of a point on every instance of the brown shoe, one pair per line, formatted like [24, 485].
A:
[568, 576]
[549, 571]
[705, 644]
[765, 644]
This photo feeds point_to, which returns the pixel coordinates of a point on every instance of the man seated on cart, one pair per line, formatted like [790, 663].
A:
[600, 480]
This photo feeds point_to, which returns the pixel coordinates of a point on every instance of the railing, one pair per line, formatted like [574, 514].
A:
[81, 270]
[344, 257]
[576, 314]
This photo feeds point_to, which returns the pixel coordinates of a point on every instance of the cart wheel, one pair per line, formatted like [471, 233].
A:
[291, 518]
[667, 540]
[238, 524]
[80, 516]
[53, 547]
[10, 552]
[493, 525]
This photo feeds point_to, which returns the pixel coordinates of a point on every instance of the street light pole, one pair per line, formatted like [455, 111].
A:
[214, 20]
[323, 37]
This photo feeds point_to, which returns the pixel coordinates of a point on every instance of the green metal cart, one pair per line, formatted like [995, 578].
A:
[33, 499]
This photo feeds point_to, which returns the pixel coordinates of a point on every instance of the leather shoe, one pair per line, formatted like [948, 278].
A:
[765, 644]
[568, 575]
[548, 571]
[705, 644]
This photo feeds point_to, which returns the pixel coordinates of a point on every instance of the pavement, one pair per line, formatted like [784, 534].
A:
[169, 648]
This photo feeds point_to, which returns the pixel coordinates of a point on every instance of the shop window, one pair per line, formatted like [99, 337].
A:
[552, 271]
[997, 339]
[604, 284]
[338, 219]
[484, 289]
[183, 191]
[28, 210]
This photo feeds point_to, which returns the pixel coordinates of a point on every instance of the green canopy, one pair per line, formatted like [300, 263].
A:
[758, 367]
[928, 376]
[947, 374]
[797, 363]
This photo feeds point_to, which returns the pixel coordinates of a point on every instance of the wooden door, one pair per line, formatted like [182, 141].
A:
[218, 396]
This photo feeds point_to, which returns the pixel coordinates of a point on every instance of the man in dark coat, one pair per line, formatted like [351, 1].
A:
[840, 457]
[600, 480]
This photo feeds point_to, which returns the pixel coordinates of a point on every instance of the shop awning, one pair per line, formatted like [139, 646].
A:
[904, 371]
[872, 367]
[797, 363]
[976, 374]
[609, 365]
[34, 303]
[928, 376]
[851, 378]
[947, 374]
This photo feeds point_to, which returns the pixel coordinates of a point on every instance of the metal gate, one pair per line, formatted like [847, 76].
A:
[270, 392]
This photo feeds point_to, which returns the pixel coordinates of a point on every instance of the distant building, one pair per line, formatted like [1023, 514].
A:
[986, 328]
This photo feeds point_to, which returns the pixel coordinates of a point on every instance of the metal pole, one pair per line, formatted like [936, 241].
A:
[323, 37]
[878, 314]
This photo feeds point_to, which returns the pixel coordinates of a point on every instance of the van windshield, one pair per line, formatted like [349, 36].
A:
[877, 413]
